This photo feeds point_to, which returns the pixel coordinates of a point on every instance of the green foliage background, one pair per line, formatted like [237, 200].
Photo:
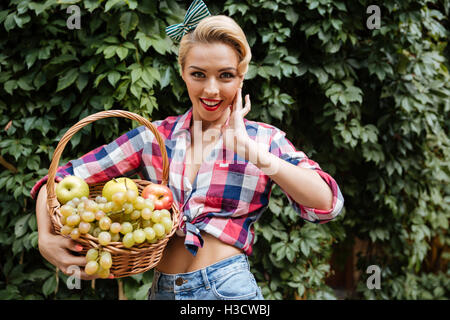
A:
[370, 106]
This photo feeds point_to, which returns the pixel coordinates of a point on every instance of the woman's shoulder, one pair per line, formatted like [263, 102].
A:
[164, 126]
[261, 129]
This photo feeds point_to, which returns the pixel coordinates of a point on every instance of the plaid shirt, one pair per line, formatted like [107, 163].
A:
[228, 195]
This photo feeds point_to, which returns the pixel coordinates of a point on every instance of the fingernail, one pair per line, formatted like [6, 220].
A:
[78, 247]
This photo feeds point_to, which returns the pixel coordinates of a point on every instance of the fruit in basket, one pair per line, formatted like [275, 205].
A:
[118, 185]
[124, 216]
[71, 187]
[161, 195]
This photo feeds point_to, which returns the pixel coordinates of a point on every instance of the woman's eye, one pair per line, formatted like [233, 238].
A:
[197, 74]
[227, 75]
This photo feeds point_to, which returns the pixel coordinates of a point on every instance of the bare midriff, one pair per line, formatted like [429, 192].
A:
[176, 258]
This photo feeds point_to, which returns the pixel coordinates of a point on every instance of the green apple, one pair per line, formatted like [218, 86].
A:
[118, 185]
[71, 187]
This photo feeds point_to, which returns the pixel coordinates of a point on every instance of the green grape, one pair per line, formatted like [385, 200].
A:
[139, 236]
[75, 234]
[156, 216]
[104, 238]
[100, 200]
[126, 228]
[105, 223]
[159, 230]
[91, 267]
[105, 260]
[127, 207]
[80, 206]
[91, 205]
[146, 214]
[116, 207]
[66, 210]
[149, 204]
[76, 201]
[91, 230]
[73, 220]
[66, 230]
[108, 207]
[167, 224]
[165, 213]
[139, 203]
[84, 227]
[91, 255]
[119, 198]
[115, 227]
[149, 233]
[99, 215]
[136, 214]
[70, 204]
[87, 216]
[128, 240]
[96, 232]
[115, 237]
[101, 207]
[131, 195]
[103, 273]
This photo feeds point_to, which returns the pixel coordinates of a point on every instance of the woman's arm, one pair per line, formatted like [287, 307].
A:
[312, 192]
[304, 185]
[56, 249]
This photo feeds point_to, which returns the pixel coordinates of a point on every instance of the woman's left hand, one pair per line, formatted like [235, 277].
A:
[235, 136]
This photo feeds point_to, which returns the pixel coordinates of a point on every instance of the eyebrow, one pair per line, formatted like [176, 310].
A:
[223, 69]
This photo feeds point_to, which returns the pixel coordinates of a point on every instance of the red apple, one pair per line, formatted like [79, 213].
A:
[160, 194]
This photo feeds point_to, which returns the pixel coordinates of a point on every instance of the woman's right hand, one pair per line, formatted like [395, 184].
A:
[57, 249]
[60, 251]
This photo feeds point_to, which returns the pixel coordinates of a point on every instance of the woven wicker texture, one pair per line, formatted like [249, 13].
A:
[126, 261]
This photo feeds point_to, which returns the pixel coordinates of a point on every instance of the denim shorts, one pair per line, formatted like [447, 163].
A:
[228, 279]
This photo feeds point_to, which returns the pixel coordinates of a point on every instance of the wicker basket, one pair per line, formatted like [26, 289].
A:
[126, 261]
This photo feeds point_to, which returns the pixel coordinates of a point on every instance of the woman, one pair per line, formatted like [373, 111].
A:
[222, 168]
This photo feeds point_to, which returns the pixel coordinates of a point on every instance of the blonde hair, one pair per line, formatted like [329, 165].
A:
[218, 28]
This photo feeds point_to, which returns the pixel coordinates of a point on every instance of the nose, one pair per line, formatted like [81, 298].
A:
[211, 88]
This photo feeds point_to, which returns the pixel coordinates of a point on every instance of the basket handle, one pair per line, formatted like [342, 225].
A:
[52, 202]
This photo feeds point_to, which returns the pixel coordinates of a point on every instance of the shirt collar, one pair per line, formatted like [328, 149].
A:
[183, 123]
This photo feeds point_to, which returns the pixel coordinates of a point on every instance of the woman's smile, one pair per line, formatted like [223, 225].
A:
[210, 104]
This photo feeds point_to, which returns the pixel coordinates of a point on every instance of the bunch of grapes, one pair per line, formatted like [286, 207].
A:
[128, 218]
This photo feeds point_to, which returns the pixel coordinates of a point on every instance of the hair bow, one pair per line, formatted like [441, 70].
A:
[196, 12]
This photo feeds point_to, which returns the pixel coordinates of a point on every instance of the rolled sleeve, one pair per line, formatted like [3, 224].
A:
[284, 149]
[121, 157]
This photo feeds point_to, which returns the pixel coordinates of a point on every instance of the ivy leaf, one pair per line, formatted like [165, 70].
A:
[121, 52]
[142, 292]
[21, 226]
[165, 80]
[113, 77]
[136, 74]
[291, 15]
[49, 286]
[67, 79]
[128, 22]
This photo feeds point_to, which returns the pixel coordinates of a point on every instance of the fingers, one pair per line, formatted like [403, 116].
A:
[237, 103]
[247, 105]
[73, 245]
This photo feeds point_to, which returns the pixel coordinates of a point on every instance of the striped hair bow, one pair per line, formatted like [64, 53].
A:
[196, 12]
